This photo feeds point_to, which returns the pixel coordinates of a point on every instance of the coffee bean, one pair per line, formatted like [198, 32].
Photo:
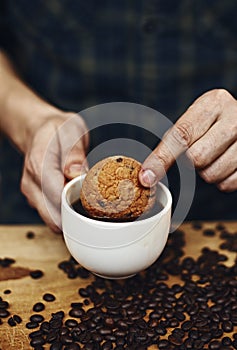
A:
[77, 313]
[34, 334]
[38, 307]
[4, 305]
[57, 345]
[226, 341]
[37, 318]
[17, 318]
[36, 274]
[6, 262]
[227, 326]
[4, 313]
[7, 291]
[49, 297]
[83, 292]
[209, 232]
[45, 327]
[30, 234]
[73, 346]
[71, 323]
[186, 326]
[214, 345]
[11, 322]
[66, 339]
[163, 344]
[37, 341]
[32, 325]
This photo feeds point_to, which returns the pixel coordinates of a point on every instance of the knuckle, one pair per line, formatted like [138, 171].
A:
[224, 186]
[229, 184]
[223, 94]
[208, 175]
[217, 95]
[182, 134]
[212, 102]
[197, 158]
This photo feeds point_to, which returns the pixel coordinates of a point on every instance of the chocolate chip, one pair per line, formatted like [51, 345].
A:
[119, 160]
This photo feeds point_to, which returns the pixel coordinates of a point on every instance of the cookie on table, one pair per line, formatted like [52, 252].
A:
[111, 190]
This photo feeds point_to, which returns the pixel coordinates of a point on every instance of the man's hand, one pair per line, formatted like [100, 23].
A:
[57, 152]
[207, 132]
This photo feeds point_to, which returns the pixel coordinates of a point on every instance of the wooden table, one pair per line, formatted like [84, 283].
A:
[44, 252]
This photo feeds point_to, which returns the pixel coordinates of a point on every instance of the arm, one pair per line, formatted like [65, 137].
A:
[49, 138]
[21, 110]
[207, 132]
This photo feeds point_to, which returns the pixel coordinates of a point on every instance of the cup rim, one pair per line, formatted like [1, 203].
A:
[111, 224]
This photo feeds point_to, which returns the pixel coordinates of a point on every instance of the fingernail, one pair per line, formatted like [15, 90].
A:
[76, 169]
[148, 178]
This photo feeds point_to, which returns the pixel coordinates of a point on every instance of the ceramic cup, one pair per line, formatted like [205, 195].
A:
[114, 249]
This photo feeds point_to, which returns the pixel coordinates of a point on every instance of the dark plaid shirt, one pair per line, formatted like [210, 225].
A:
[160, 53]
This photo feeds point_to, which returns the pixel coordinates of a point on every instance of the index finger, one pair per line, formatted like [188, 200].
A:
[191, 126]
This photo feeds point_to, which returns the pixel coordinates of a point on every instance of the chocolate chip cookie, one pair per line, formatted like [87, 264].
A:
[111, 190]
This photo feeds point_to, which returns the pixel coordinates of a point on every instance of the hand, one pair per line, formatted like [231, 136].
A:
[56, 152]
[207, 132]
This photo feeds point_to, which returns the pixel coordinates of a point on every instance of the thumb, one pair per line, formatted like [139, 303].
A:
[76, 163]
[152, 170]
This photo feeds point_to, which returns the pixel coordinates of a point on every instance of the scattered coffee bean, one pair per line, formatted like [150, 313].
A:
[197, 225]
[7, 291]
[30, 234]
[49, 297]
[4, 313]
[32, 325]
[36, 274]
[11, 322]
[35, 334]
[4, 304]
[17, 319]
[37, 341]
[6, 262]
[209, 232]
[37, 318]
[38, 307]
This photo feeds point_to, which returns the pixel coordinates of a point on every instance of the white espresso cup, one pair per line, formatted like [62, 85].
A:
[114, 249]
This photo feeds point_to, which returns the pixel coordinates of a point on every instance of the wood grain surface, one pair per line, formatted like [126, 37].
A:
[44, 252]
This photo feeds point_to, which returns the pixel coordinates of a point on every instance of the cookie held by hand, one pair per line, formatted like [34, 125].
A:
[111, 190]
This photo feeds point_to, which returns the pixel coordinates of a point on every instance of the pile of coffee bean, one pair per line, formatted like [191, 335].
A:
[200, 312]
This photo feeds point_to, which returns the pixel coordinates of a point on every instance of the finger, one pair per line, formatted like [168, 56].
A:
[222, 167]
[189, 128]
[76, 162]
[176, 141]
[213, 143]
[36, 199]
[73, 139]
[229, 184]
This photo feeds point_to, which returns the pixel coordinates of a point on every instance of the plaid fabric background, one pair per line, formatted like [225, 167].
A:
[160, 53]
